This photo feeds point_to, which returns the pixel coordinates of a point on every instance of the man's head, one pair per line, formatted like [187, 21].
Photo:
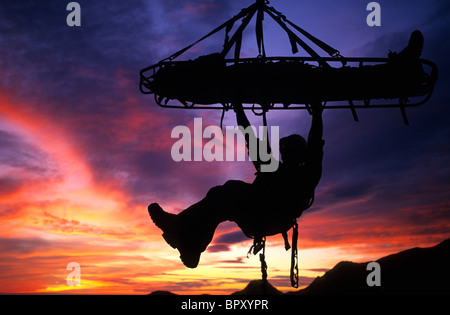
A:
[293, 149]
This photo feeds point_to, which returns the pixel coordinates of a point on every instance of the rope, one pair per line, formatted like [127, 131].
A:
[226, 107]
[294, 257]
[263, 260]
[258, 244]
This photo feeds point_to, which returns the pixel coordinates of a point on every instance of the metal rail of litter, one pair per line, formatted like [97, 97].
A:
[145, 78]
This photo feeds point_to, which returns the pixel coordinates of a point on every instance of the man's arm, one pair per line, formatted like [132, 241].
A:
[315, 144]
[249, 135]
[241, 118]
[316, 131]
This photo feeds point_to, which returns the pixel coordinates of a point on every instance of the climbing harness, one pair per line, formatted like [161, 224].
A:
[259, 243]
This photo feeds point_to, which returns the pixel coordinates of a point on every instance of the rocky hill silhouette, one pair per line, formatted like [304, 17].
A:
[259, 287]
[413, 271]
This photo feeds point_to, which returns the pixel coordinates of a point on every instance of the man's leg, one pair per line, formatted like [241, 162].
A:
[192, 230]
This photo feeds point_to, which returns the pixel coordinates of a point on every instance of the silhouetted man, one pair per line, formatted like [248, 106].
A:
[266, 207]
[274, 200]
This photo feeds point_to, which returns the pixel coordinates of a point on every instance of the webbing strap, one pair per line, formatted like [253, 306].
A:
[402, 102]
[228, 25]
[259, 33]
[265, 119]
[260, 7]
[237, 48]
[249, 12]
[286, 241]
[294, 39]
[327, 48]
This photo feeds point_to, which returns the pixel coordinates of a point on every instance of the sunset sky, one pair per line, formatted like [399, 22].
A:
[83, 152]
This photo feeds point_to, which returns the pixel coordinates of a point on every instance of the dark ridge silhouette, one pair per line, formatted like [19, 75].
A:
[259, 287]
[413, 271]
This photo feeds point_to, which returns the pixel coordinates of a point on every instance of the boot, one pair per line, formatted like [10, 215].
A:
[179, 235]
